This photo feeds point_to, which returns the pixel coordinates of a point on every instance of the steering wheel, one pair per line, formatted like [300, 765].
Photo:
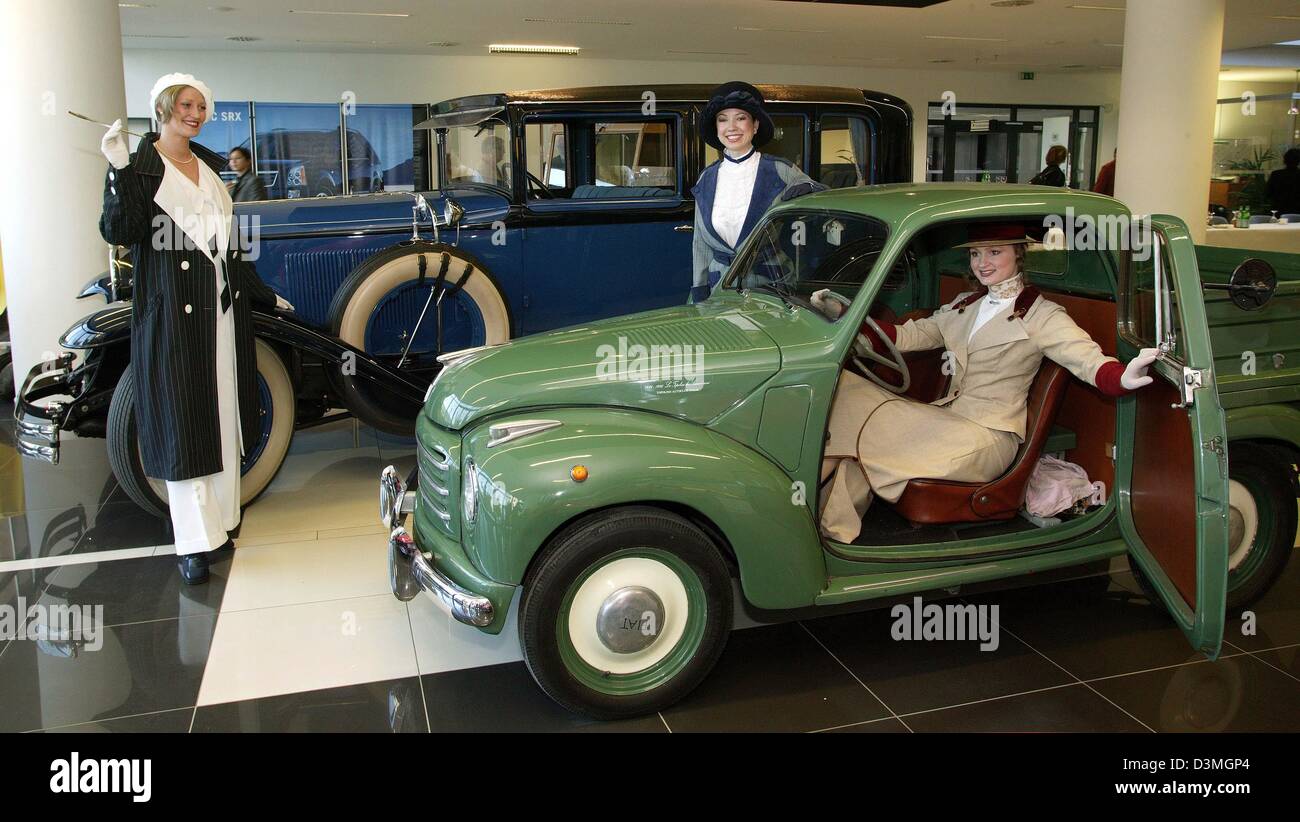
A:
[863, 350]
[534, 184]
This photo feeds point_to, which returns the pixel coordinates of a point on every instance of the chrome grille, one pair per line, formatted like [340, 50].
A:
[438, 455]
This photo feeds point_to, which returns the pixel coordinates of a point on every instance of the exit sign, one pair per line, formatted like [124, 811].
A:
[1026, 75]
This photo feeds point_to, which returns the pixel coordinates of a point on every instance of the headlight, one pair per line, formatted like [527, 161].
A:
[469, 486]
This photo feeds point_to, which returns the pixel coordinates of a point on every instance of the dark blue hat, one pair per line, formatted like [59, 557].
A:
[743, 96]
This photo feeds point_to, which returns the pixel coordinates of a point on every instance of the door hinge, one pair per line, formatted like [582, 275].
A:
[1215, 446]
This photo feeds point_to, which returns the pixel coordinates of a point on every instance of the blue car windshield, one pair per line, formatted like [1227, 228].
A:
[799, 252]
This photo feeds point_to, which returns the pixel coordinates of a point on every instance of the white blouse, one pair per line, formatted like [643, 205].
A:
[731, 199]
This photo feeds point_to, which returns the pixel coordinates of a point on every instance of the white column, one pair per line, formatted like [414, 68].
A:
[56, 55]
[1170, 80]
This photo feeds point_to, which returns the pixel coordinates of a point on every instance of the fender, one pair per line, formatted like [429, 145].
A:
[1275, 421]
[104, 327]
[525, 494]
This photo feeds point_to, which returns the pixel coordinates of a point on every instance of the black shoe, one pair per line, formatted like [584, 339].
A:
[193, 568]
[234, 534]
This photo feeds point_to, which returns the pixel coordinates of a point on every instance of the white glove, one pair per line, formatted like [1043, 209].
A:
[282, 304]
[1135, 373]
[114, 146]
[831, 308]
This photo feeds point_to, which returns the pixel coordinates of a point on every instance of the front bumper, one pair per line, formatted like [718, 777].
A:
[410, 571]
[37, 425]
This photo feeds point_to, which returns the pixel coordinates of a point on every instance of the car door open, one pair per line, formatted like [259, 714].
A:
[1171, 458]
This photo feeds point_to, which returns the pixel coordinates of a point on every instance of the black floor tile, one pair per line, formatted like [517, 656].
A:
[1072, 708]
[504, 697]
[1277, 614]
[123, 524]
[775, 678]
[391, 706]
[46, 532]
[918, 675]
[1093, 627]
[171, 722]
[137, 590]
[1239, 693]
[136, 669]
[888, 725]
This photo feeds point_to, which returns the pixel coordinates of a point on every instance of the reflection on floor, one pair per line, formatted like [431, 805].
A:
[298, 631]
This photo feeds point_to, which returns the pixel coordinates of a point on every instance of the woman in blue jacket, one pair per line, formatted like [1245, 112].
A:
[733, 192]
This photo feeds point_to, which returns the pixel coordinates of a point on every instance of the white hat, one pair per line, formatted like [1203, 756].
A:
[177, 79]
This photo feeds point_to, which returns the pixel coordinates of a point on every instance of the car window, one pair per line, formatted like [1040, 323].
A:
[479, 153]
[585, 159]
[1142, 305]
[804, 251]
[845, 151]
[787, 140]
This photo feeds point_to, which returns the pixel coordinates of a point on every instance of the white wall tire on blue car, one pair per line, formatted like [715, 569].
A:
[372, 285]
[262, 462]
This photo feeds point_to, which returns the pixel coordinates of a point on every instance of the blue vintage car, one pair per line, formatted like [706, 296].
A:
[552, 208]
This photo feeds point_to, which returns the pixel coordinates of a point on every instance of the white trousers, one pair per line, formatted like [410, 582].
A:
[204, 508]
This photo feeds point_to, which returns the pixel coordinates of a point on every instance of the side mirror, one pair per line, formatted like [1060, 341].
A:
[452, 211]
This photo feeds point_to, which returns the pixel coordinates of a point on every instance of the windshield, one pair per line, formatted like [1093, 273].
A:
[478, 153]
[799, 252]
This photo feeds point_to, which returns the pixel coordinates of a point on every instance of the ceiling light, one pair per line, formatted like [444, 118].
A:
[135, 5]
[1082, 7]
[442, 45]
[243, 38]
[509, 48]
[1011, 4]
[1288, 43]
[577, 21]
[352, 13]
[1283, 17]
[786, 31]
[941, 60]
[958, 37]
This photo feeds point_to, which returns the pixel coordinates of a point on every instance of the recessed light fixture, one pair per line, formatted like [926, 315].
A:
[941, 60]
[1083, 7]
[1113, 45]
[352, 13]
[577, 21]
[221, 9]
[442, 45]
[1284, 17]
[135, 5]
[159, 36]
[243, 38]
[961, 37]
[512, 48]
[1011, 4]
[783, 31]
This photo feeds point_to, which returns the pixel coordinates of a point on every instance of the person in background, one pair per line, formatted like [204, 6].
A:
[734, 191]
[247, 186]
[495, 168]
[1284, 184]
[1052, 175]
[1106, 177]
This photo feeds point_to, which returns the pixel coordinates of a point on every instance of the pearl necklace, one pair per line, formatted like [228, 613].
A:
[173, 159]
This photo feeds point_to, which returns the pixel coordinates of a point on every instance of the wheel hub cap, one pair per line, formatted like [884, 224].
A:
[630, 619]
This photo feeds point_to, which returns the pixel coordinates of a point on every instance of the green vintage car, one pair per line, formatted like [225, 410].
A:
[623, 473]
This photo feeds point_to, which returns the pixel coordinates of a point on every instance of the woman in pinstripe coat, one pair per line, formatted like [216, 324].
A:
[192, 345]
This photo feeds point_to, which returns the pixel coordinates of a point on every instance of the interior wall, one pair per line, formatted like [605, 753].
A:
[406, 78]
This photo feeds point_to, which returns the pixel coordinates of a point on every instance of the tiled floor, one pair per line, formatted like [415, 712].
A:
[298, 632]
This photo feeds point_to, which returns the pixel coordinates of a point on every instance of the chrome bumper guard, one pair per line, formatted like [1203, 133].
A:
[409, 570]
[37, 426]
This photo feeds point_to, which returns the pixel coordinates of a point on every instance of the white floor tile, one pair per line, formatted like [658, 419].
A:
[443, 644]
[270, 576]
[297, 648]
[321, 469]
[360, 530]
[273, 539]
[314, 507]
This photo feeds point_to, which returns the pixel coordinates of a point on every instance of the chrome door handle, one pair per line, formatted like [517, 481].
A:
[684, 228]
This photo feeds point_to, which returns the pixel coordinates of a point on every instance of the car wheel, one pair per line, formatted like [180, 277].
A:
[1261, 521]
[276, 404]
[379, 304]
[625, 613]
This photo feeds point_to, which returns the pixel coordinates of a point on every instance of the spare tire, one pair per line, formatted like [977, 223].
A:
[381, 301]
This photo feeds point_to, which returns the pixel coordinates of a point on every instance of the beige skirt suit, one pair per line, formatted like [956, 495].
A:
[879, 441]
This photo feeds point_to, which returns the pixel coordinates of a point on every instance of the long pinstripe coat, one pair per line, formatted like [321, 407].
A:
[173, 323]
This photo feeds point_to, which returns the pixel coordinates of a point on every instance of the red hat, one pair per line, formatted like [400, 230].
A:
[986, 234]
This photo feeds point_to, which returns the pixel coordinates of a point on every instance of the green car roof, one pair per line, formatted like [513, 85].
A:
[910, 206]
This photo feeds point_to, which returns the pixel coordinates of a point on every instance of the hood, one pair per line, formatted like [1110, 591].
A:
[690, 361]
[375, 211]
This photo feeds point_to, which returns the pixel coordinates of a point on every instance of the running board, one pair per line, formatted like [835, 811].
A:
[877, 586]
